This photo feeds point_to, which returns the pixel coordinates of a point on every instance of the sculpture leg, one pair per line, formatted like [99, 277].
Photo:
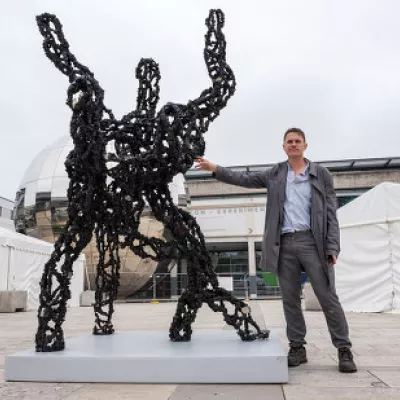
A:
[107, 282]
[55, 290]
[185, 315]
[240, 319]
[203, 288]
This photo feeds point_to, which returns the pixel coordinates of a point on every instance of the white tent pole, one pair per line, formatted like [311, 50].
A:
[8, 267]
[390, 231]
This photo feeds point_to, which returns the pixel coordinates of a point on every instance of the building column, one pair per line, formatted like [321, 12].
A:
[252, 268]
[182, 277]
[173, 268]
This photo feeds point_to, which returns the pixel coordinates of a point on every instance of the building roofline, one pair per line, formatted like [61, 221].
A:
[5, 198]
[352, 164]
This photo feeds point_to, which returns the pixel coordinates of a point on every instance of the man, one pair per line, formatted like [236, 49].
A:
[301, 233]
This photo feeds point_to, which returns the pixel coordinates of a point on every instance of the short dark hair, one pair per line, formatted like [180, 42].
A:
[295, 130]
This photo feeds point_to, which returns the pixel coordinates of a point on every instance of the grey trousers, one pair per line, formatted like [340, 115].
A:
[299, 252]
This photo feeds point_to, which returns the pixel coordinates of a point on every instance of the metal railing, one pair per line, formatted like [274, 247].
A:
[166, 286]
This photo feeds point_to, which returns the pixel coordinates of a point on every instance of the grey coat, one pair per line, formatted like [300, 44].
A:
[324, 224]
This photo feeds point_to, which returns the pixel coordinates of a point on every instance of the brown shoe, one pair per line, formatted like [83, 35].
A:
[297, 356]
[346, 362]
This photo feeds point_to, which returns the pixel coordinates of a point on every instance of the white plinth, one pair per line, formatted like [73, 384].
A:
[150, 357]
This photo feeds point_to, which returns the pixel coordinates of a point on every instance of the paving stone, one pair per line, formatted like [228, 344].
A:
[363, 350]
[339, 393]
[330, 377]
[37, 391]
[390, 377]
[318, 362]
[385, 350]
[122, 392]
[228, 392]
[377, 361]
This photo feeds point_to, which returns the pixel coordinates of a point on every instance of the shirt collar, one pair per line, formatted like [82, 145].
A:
[306, 169]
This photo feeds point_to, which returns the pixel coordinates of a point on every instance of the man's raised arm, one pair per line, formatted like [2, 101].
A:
[257, 179]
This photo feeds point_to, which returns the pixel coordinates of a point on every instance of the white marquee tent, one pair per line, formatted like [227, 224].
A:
[368, 269]
[22, 259]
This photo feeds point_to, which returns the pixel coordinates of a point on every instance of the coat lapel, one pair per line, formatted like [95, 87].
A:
[280, 183]
[314, 177]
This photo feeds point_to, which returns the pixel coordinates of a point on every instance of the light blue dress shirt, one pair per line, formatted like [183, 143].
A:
[297, 205]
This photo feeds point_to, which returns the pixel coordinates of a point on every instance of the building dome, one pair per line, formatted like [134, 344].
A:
[41, 212]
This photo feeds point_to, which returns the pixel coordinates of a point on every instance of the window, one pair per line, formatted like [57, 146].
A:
[343, 200]
[230, 262]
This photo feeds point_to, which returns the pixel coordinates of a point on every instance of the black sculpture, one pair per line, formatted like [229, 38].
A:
[108, 192]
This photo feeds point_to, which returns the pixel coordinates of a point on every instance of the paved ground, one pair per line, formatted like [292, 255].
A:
[376, 340]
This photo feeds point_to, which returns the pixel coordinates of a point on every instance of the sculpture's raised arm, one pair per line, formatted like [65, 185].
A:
[211, 101]
[183, 126]
[83, 87]
[56, 47]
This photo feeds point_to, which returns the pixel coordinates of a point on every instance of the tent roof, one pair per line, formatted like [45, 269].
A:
[17, 240]
[379, 205]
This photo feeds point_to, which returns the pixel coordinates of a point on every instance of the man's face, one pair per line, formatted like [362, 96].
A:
[294, 145]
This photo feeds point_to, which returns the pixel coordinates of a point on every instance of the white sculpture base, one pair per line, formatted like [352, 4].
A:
[150, 357]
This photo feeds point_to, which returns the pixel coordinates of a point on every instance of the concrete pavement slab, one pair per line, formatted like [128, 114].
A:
[37, 391]
[228, 392]
[122, 392]
[385, 350]
[339, 393]
[330, 377]
[391, 377]
[318, 362]
[377, 361]
[363, 350]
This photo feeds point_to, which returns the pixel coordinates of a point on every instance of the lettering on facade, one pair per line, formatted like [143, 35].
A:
[224, 211]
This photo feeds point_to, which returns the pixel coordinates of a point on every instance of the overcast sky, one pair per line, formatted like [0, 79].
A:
[330, 67]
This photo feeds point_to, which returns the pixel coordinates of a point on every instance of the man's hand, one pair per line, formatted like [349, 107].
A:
[203, 164]
[332, 259]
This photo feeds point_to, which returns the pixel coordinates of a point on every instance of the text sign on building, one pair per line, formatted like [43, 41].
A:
[231, 221]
